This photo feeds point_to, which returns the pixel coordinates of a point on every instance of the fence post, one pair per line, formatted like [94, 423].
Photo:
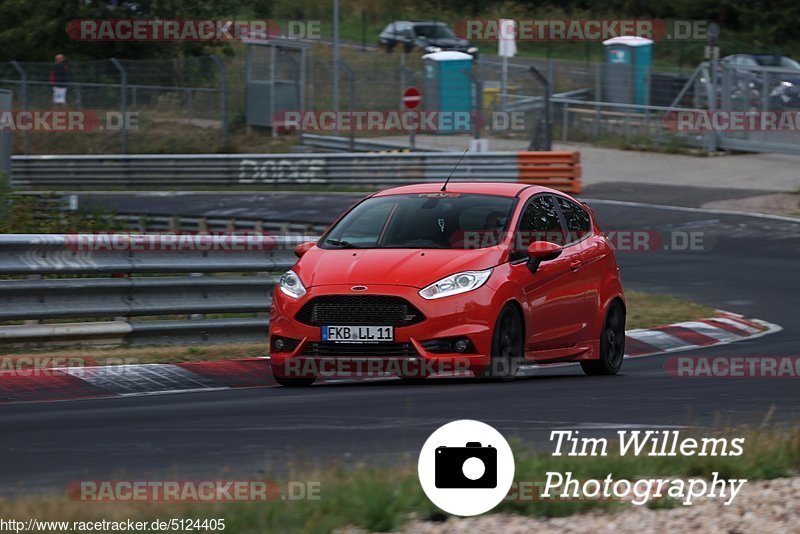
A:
[348, 72]
[24, 94]
[6, 102]
[405, 71]
[223, 99]
[598, 84]
[548, 142]
[124, 102]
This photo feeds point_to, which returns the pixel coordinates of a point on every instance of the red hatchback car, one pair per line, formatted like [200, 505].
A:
[483, 275]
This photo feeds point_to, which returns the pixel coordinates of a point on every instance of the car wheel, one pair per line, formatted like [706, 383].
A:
[612, 344]
[279, 372]
[507, 345]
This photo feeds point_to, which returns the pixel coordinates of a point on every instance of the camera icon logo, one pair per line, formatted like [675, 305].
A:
[466, 467]
[472, 466]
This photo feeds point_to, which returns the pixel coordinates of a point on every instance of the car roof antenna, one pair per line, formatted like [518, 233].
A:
[444, 186]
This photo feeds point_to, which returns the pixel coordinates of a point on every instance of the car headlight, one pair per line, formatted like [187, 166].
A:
[455, 284]
[291, 285]
[432, 49]
[472, 49]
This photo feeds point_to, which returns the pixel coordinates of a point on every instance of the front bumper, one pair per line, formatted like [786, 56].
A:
[469, 315]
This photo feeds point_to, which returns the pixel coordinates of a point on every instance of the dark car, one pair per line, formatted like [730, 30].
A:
[426, 36]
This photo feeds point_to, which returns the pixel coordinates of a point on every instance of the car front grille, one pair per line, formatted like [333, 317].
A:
[327, 349]
[355, 310]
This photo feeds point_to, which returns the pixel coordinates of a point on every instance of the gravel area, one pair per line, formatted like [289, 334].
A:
[771, 506]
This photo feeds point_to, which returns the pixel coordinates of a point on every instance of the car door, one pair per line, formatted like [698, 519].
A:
[591, 247]
[555, 293]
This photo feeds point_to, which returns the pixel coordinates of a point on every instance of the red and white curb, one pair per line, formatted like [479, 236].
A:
[152, 379]
[724, 328]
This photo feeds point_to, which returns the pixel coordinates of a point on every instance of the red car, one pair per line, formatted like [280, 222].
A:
[482, 275]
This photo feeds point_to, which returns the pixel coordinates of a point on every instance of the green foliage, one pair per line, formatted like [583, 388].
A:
[36, 31]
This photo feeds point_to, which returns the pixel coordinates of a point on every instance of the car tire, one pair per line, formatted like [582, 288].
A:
[612, 344]
[279, 373]
[507, 345]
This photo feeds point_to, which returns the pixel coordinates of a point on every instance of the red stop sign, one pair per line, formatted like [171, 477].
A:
[411, 97]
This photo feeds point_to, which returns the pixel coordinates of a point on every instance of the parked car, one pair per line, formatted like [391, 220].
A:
[748, 77]
[426, 36]
[482, 275]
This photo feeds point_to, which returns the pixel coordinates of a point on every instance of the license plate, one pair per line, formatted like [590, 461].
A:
[358, 334]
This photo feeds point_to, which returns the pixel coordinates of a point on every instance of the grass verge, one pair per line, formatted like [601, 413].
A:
[385, 499]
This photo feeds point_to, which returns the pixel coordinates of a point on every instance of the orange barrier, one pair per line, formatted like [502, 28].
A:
[558, 169]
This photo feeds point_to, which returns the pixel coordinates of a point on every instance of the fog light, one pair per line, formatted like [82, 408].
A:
[279, 344]
[461, 345]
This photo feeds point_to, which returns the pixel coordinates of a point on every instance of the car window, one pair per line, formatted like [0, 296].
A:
[433, 31]
[426, 220]
[365, 230]
[789, 63]
[579, 223]
[540, 222]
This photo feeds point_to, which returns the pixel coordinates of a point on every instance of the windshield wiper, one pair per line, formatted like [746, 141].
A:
[340, 243]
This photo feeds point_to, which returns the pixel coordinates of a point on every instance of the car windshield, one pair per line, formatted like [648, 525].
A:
[426, 220]
[778, 61]
[433, 31]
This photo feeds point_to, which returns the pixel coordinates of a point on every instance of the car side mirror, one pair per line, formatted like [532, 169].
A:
[302, 248]
[540, 251]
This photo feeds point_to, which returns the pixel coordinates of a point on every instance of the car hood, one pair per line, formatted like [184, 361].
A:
[406, 267]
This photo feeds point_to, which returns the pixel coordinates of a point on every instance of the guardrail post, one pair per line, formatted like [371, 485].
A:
[123, 102]
[23, 76]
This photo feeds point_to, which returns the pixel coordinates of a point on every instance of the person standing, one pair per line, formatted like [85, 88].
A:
[59, 79]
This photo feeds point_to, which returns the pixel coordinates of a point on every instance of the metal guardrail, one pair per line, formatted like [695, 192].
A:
[186, 284]
[253, 170]
[347, 144]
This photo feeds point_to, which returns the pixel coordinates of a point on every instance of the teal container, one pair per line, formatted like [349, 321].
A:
[626, 70]
[448, 90]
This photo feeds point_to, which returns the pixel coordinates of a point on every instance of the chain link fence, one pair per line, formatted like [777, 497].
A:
[187, 96]
[186, 93]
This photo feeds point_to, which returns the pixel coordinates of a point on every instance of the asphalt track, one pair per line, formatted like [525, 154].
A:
[750, 266]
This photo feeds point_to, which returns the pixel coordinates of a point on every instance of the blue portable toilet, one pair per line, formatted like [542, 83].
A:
[626, 70]
[448, 89]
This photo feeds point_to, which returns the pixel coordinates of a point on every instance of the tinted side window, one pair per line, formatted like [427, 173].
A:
[578, 221]
[540, 222]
